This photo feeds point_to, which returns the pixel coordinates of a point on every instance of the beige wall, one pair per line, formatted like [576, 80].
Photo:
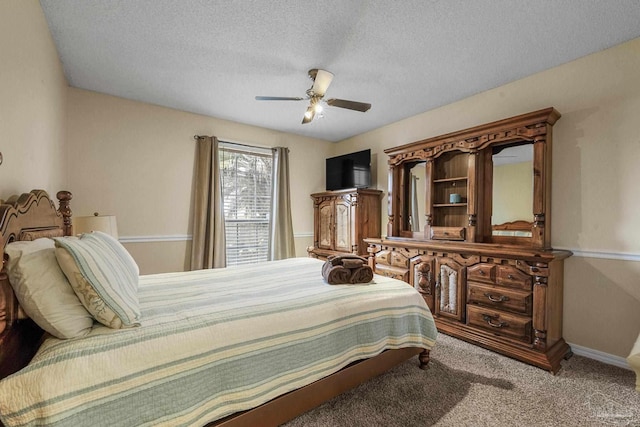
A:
[595, 177]
[135, 161]
[32, 102]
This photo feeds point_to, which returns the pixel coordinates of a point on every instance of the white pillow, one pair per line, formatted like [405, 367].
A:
[104, 277]
[43, 290]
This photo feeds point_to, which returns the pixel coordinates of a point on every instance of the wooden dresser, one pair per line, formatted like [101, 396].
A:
[342, 219]
[469, 228]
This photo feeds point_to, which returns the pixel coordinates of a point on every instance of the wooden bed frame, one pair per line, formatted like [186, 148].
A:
[33, 215]
[510, 230]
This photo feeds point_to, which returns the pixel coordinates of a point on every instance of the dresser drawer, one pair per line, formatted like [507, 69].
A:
[482, 273]
[392, 258]
[500, 297]
[512, 277]
[500, 323]
[447, 233]
[391, 271]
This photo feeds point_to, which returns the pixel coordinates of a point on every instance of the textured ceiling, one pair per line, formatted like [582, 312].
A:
[213, 57]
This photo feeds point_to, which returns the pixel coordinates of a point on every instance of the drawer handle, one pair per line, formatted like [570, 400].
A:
[510, 276]
[482, 273]
[490, 319]
[502, 298]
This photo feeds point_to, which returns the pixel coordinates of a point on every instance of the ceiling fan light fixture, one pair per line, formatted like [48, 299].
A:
[308, 115]
[315, 94]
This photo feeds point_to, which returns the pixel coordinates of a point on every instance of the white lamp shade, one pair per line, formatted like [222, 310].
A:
[105, 223]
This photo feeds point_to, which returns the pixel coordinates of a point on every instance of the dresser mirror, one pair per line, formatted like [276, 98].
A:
[416, 190]
[434, 196]
[488, 184]
[512, 190]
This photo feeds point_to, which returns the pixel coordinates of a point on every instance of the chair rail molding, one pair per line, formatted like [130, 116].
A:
[602, 254]
[178, 238]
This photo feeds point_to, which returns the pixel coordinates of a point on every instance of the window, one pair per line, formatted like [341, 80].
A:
[246, 191]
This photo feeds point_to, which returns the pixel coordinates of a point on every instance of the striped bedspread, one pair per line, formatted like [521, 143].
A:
[215, 342]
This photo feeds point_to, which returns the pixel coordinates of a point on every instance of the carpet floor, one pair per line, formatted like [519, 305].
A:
[470, 386]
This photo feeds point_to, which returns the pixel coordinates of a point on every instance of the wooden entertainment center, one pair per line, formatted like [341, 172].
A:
[470, 228]
[342, 219]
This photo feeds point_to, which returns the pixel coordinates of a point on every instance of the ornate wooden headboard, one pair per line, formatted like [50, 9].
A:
[25, 217]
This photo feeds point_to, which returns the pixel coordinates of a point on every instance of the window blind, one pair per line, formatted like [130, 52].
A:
[246, 192]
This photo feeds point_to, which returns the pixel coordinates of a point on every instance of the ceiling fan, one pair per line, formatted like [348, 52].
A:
[315, 94]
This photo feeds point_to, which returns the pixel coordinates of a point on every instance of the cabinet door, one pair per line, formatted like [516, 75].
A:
[451, 284]
[343, 226]
[325, 225]
[423, 278]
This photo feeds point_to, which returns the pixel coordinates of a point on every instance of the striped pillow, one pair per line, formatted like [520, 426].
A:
[104, 277]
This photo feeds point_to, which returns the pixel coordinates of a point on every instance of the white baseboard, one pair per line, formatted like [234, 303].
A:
[600, 356]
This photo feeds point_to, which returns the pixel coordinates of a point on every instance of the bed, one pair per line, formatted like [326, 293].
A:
[256, 345]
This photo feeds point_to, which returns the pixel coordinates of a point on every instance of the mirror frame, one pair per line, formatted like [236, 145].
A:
[535, 127]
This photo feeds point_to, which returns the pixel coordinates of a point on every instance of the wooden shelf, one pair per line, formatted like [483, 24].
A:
[448, 205]
[463, 178]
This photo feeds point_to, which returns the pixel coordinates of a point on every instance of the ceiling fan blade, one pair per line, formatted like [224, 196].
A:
[308, 115]
[321, 82]
[278, 98]
[350, 105]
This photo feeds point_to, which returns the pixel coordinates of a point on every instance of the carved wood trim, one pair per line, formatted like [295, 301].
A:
[514, 226]
[424, 275]
[523, 127]
[533, 133]
[465, 260]
[64, 199]
[539, 313]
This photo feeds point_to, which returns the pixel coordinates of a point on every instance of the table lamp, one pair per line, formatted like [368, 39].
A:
[105, 223]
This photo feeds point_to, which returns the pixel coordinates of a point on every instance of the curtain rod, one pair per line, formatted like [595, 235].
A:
[196, 137]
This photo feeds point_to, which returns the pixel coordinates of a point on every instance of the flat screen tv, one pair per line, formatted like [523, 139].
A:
[349, 171]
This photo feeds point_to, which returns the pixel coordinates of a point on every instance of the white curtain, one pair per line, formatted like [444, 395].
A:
[208, 247]
[281, 242]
